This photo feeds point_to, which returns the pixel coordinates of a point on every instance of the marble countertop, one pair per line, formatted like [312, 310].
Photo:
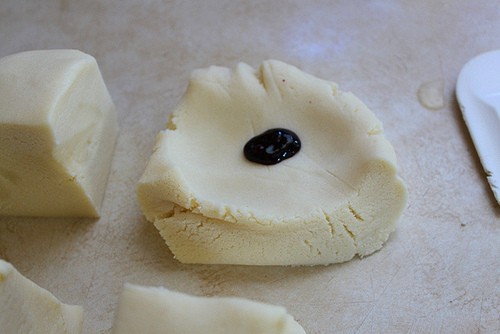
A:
[438, 273]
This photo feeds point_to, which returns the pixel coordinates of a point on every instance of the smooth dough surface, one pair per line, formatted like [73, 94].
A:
[58, 130]
[338, 197]
[152, 310]
[27, 308]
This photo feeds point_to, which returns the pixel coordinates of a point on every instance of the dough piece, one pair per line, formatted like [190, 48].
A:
[58, 130]
[338, 196]
[27, 308]
[150, 310]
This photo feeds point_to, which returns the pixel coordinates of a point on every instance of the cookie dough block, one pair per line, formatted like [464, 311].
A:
[58, 130]
[151, 310]
[338, 197]
[27, 308]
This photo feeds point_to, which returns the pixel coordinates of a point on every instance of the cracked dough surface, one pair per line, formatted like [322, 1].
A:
[338, 197]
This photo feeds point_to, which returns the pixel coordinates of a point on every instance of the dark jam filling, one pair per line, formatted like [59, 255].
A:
[272, 146]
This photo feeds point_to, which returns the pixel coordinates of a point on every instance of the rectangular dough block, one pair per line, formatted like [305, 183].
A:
[58, 130]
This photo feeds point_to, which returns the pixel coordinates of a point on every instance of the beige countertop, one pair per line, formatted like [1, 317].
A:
[439, 273]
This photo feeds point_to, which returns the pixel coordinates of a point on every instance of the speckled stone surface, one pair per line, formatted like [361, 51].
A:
[439, 273]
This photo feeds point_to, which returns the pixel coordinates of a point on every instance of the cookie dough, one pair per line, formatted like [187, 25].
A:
[151, 310]
[58, 130]
[339, 196]
[27, 308]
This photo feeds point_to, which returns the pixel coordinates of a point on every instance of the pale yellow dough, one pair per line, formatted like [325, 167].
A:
[58, 130]
[152, 310]
[27, 308]
[338, 197]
